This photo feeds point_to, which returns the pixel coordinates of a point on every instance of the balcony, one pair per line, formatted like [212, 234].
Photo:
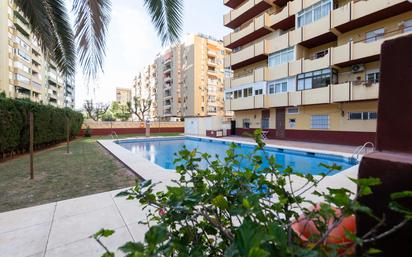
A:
[316, 96]
[246, 103]
[278, 100]
[316, 64]
[256, 29]
[341, 54]
[351, 91]
[340, 92]
[283, 19]
[364, 91]
[245, 12]
[232, 3]
[361, 13]
[317, 33]
[256, 76]
[248, 55]
[278, 43]
[278, 72]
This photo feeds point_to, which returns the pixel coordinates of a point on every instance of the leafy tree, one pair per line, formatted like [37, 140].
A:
[49, 20]
[140, 106]
[232, 209]
[2, 94]
[120, 111]
[95, 111]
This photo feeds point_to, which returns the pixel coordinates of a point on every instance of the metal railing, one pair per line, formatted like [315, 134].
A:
[362, 148]
[115, 137]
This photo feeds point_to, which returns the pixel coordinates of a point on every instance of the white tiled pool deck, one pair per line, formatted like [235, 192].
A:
[64, 228]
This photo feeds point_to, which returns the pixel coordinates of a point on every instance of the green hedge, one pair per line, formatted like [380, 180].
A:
[49, 124]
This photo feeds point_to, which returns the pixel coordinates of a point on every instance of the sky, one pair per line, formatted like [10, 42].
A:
[132, 43]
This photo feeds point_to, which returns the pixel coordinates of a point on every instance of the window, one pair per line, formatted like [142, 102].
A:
[265, 123]
[293, 110]
[363, 115]
[247, 92]
[292, 123]
[314, 13]
[258, 91]
[320, 54]
[372, 77]
[229, 95]
[317, 79]
[246, 123]
[374, 35]
[237, 94]
[278, 87]
[23, 55]
[319, 122]
[22, 78]
[211, 109]
[281, 57]
[407, 26]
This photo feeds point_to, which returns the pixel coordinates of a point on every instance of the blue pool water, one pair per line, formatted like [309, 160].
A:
[162, 152]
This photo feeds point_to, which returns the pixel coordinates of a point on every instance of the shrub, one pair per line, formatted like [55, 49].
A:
[49, 124]
[226, 209]
[88, 132]
[108, 117]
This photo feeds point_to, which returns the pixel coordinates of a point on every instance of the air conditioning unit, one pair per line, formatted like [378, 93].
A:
[357, 68]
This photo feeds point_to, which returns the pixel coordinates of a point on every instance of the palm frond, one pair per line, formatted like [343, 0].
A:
[65, 51]
[91, 23]
[167, 17]
[50, 25]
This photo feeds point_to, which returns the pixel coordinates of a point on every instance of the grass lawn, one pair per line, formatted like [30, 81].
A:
[87, 170]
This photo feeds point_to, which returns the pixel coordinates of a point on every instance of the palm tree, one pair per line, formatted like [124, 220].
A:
[60, 42]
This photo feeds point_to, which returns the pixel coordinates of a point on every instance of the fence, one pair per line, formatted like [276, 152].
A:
[131, 127]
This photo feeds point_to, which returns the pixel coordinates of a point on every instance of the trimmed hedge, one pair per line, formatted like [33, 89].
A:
[49, 125]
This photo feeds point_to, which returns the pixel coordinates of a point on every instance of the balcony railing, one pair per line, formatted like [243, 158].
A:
[245, 12]
[257, 28]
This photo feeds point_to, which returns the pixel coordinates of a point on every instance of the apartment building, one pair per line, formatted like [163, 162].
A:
[24, 72]
[144, 87]
[309, 69]
[123, 95]
[188, 79]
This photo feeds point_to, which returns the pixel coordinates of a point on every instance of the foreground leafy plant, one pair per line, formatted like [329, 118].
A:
[233, 209]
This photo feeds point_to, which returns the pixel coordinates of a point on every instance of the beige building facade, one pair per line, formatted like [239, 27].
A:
[309, 69]
[188, 79]
[123, 95]
[144, 87]
[24, 71]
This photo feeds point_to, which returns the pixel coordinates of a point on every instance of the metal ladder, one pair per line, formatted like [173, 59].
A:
[115, 137]
[359, 149]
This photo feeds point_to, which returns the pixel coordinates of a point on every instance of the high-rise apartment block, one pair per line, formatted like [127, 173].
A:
[186, 80]
[24, 71]
[144, 87]
[309, 69]
[123, 95]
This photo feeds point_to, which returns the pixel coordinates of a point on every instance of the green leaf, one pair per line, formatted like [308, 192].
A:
[220, 202]
[108, 254]
[131, 247]
[257, 252]
[103, 233]
[246, 204]
[156, 235]
[403, 194]
[374, 251]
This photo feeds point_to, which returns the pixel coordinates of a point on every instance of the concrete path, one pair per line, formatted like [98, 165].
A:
[64, 228]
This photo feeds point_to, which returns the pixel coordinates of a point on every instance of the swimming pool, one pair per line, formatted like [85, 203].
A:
[162, 152]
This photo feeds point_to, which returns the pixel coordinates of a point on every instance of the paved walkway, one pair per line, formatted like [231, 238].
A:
[64, 228]
[299, 144]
